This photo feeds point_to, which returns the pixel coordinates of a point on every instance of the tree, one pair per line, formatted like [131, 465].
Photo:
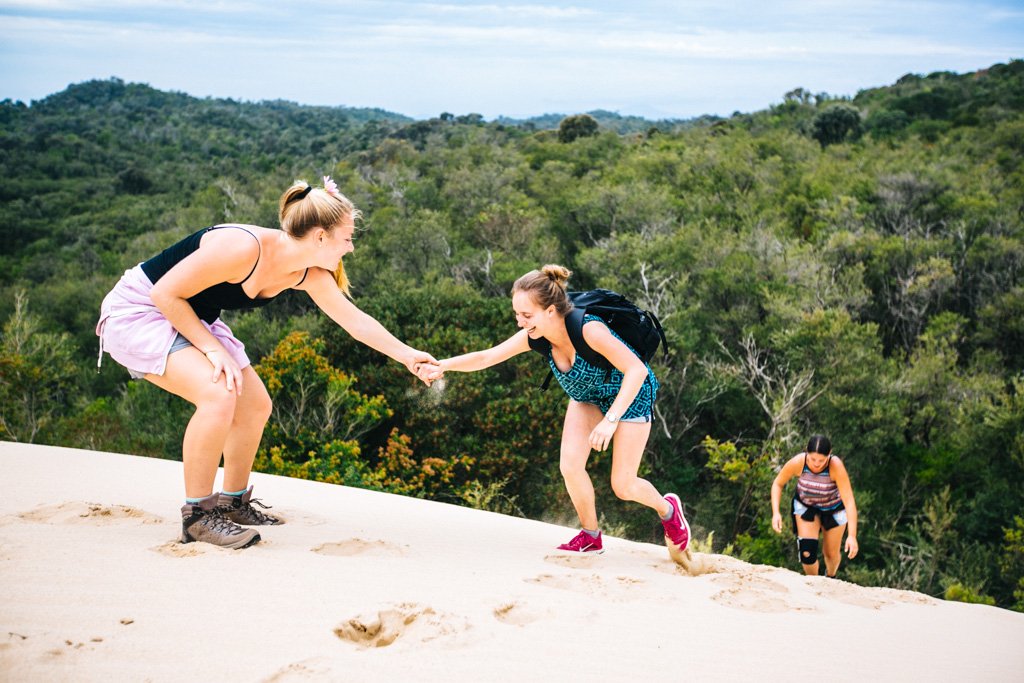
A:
[835, 123]
[578, 126]
[36, 374]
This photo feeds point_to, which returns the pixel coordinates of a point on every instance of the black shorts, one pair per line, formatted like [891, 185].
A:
[828, 520]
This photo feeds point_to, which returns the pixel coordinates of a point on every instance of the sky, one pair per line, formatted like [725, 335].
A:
[652, 58]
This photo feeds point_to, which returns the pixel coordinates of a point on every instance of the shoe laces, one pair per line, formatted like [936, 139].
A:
[216, 521]
[260, 516]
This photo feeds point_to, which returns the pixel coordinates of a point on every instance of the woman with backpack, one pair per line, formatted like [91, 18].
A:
[606, 407]
[823, 503]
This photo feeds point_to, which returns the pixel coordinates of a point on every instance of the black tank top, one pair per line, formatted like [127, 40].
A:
[211, 301]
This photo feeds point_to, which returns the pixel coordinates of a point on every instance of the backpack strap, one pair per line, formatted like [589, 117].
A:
[542, 346]
[574, 326]
[661, 332]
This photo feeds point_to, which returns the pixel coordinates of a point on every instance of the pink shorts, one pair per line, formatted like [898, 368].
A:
[138, 336]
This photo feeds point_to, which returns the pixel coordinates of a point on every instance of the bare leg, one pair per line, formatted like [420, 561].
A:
[580, 420]
[805, 529]
[188, 375]
[831, 549]
[627, 451]
[252, 410]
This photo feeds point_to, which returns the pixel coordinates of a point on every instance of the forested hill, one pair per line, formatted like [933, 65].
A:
[849, 266]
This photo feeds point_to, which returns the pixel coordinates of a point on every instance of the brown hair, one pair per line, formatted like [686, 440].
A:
[303, 208]
[547, 287]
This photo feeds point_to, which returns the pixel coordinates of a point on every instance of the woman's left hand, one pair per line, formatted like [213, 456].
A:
[851, 547]
[602, 435]
[424, 366]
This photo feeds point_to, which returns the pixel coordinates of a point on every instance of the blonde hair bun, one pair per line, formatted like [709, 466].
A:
[560, 274]
[547, 287]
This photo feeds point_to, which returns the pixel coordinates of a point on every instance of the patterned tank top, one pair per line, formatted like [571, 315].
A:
[587, 383]
[817, 490]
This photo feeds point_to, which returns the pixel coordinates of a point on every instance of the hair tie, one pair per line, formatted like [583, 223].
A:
[300, 195]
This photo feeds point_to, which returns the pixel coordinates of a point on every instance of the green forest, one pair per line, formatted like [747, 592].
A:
[851, 266]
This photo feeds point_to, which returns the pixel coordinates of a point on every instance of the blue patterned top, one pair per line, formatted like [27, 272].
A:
[586, 383]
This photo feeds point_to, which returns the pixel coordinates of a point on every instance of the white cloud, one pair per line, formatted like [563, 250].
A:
[670, 57]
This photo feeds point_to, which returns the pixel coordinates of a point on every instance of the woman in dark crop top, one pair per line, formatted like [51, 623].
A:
[162, 322]
[823, 503]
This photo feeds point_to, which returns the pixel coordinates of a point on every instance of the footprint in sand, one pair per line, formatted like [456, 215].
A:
[864, 596]
[515, 614]
[307, 670]
[619, 588]
[359, 546]
[77, 512]
[178, 549]
[699, 564]
[747, 591]
[406, 621]
[576, 561]
[14, 642]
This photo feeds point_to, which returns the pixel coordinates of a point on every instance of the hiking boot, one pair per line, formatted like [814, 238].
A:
[240, 510]
[584, 543]
[204, 521]
[677, 530]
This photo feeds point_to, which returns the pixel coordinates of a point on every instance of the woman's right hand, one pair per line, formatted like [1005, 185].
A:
[428, 372]
[224, 364]
[777, 522]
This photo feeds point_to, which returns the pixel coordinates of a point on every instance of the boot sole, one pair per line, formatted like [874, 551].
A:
[237, 545]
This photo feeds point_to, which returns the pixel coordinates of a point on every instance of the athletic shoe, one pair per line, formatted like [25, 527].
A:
[584, 543]
[204, 521]
[677, 530]
[240, 510]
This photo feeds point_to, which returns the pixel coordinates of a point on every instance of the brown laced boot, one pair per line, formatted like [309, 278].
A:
[240, 510]
[204, 521]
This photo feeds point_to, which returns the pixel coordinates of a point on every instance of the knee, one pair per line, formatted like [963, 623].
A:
[259, 410]
[570, 469]
[832, 555]
[807, 549]
[623, 487]
[217, 401]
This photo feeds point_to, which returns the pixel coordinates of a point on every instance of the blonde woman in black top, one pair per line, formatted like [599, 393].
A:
[162, 322]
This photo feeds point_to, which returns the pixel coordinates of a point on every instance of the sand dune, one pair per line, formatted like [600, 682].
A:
[364, 586]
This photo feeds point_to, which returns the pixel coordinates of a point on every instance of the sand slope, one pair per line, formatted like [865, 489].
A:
[364, 586]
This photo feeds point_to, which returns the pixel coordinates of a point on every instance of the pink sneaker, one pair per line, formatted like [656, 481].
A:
[677, 530]
[584, 543]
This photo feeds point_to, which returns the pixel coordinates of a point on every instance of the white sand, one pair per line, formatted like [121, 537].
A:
[363, 586]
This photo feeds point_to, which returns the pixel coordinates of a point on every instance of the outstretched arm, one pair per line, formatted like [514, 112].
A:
[478, 360]
[323, 290]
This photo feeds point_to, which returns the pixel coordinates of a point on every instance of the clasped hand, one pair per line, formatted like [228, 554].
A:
[425, 367]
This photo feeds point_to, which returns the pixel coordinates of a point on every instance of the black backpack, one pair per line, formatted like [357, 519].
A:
[639, 328]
